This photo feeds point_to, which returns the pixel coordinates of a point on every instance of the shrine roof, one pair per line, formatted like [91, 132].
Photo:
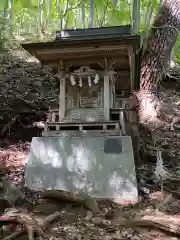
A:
[94, 33]
[75, 41]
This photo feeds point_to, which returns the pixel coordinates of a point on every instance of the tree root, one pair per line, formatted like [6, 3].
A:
[166, 223]
[14, 235]
[30, 223]
[175, 194]
[85, 200]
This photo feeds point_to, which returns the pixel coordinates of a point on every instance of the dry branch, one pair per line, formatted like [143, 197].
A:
[85, 200]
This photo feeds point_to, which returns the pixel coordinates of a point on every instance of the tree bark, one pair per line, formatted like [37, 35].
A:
[156, 57]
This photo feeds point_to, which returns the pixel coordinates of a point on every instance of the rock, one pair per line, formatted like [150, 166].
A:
[145, 190]
[89, 216]
[106, 210]
[97, 220]
[129, 234]
[135, 237]
[106, 222]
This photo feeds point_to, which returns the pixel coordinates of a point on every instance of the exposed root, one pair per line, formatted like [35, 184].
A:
[171, 77]
[30, 223]
[175, 194]
[14, 235]
[162, 222]
[85, 200]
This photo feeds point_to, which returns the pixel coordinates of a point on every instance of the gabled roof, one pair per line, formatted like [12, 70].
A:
[69, 41]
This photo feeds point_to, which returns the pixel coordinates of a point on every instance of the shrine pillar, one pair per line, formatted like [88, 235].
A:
[106, 98]
[62, 95]
[62, 91]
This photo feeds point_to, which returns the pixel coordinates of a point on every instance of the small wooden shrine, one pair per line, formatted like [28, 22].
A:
[97, 69]
[87, 144]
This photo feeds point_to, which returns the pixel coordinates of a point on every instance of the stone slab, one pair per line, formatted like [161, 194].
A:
[101, 166]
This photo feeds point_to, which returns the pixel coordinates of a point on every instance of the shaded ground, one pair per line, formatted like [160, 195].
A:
[75, 221]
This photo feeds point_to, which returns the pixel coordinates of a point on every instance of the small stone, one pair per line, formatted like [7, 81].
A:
[97, 220]
[89, 215]
[135, 237]
[145, 190]
[106, 210]
[106, 222]
[125, 233]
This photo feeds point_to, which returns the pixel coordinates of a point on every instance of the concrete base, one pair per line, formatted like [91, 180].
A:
[100, 166]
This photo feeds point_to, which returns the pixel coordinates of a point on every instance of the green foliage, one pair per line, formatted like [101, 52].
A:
[177, 50]
[37, 20]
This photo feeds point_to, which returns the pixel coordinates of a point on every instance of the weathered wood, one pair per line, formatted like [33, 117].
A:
[29, 223]
[90, 96]
[81, 126]
[62, 99]
[106, 98]
[131, 66]
[53, 116]
[75, 133]
[84, 115]
[88, 50]
[57, 127]
[122, 119]
[162, 222]
[84, 123]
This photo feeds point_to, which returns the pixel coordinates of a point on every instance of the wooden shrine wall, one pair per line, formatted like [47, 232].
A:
[84, 103]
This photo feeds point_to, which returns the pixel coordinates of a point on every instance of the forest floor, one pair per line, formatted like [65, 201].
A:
[157, 200]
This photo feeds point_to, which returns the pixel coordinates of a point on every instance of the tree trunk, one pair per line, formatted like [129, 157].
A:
[136, 16]
[91, 14]
[156, 56]
[83, 14]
